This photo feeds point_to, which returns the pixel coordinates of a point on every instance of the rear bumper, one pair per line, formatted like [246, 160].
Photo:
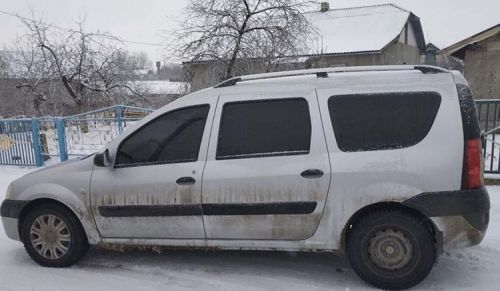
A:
[461, 216]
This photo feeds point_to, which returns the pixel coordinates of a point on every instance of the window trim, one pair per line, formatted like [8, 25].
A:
[118, 166]
[263, 155]
[385, 148]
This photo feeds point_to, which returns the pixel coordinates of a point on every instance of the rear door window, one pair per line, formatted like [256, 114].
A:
[368, 122]
[264, 128]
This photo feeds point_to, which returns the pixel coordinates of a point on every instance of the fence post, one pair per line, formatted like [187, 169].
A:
[119, 118]
[35, 132]
[61, 139]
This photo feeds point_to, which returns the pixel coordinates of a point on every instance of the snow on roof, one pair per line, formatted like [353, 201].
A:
[142, 71]
[357, 29]
[164, 87]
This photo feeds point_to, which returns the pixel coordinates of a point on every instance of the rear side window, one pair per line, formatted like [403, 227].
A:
[264, 128]
[369, 122]
[174, 137]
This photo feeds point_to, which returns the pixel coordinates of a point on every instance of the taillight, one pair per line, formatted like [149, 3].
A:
[472, 176]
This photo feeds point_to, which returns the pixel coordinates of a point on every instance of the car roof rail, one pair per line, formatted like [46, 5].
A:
[323, 72]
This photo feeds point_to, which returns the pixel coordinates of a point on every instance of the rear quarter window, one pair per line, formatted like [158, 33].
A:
[382, 121]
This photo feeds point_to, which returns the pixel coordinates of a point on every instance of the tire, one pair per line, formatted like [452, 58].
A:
[391, 249]
[53, 236]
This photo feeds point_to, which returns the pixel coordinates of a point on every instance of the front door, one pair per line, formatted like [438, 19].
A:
[154, 188]
[267, 173]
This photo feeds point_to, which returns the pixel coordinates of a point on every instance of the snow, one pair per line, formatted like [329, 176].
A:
[475, 268]
[360, 29]
[165, 87]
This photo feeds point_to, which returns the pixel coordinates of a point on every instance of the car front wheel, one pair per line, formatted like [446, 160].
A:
[53, 236]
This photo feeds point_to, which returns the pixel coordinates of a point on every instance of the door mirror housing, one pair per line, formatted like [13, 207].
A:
[102, 159]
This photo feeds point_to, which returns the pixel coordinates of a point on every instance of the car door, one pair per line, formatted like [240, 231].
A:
[154, 188]
[267, 172]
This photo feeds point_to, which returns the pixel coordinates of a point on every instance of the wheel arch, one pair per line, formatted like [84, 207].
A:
[395, 206]
[43, 201]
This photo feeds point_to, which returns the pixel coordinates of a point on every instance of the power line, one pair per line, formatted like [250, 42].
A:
[72, 30]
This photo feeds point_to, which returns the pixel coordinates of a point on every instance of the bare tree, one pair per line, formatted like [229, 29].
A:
[236, 31]
[4, 65]
[90, 66]
[132, 62]
[28, 67]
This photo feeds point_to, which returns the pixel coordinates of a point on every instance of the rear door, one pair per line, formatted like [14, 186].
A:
[267, 172]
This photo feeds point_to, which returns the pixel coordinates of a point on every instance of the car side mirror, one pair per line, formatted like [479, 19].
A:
[102, 159]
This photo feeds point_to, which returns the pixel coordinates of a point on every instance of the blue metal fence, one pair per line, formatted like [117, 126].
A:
[88, 132]
[38, 141]
[488, 113]
[18, 143]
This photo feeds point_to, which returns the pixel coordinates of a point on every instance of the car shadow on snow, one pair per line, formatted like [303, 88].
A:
[316, 270]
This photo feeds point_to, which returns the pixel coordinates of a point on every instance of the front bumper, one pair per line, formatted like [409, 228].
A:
[461, 216]
[10, 212]
[12, 208]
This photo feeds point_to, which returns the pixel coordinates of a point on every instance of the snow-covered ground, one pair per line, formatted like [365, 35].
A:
[475, 268]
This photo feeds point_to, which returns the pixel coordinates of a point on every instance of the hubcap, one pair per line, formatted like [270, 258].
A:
[390, 249]
[50, 236]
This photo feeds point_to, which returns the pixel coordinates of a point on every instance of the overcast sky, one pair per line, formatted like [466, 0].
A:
[444, 21]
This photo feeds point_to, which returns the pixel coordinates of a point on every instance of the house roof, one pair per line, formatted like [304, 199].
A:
[458, 49]
[361, 29]
[431, 47]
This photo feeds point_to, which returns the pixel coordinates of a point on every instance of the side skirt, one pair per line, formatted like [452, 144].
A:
[260, 245]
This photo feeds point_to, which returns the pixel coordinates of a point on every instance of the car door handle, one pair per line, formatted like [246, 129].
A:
[312, 173]
[185, 181]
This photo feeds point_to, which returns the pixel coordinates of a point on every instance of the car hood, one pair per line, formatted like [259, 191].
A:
[74, 174]
[56, 166]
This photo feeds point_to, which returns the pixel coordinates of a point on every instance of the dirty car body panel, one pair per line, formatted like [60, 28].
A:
[268, 193]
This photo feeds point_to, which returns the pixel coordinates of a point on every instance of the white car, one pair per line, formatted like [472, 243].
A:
[381, 164]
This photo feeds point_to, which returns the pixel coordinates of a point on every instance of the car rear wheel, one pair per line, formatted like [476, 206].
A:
[391, 249]
[53, 236]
